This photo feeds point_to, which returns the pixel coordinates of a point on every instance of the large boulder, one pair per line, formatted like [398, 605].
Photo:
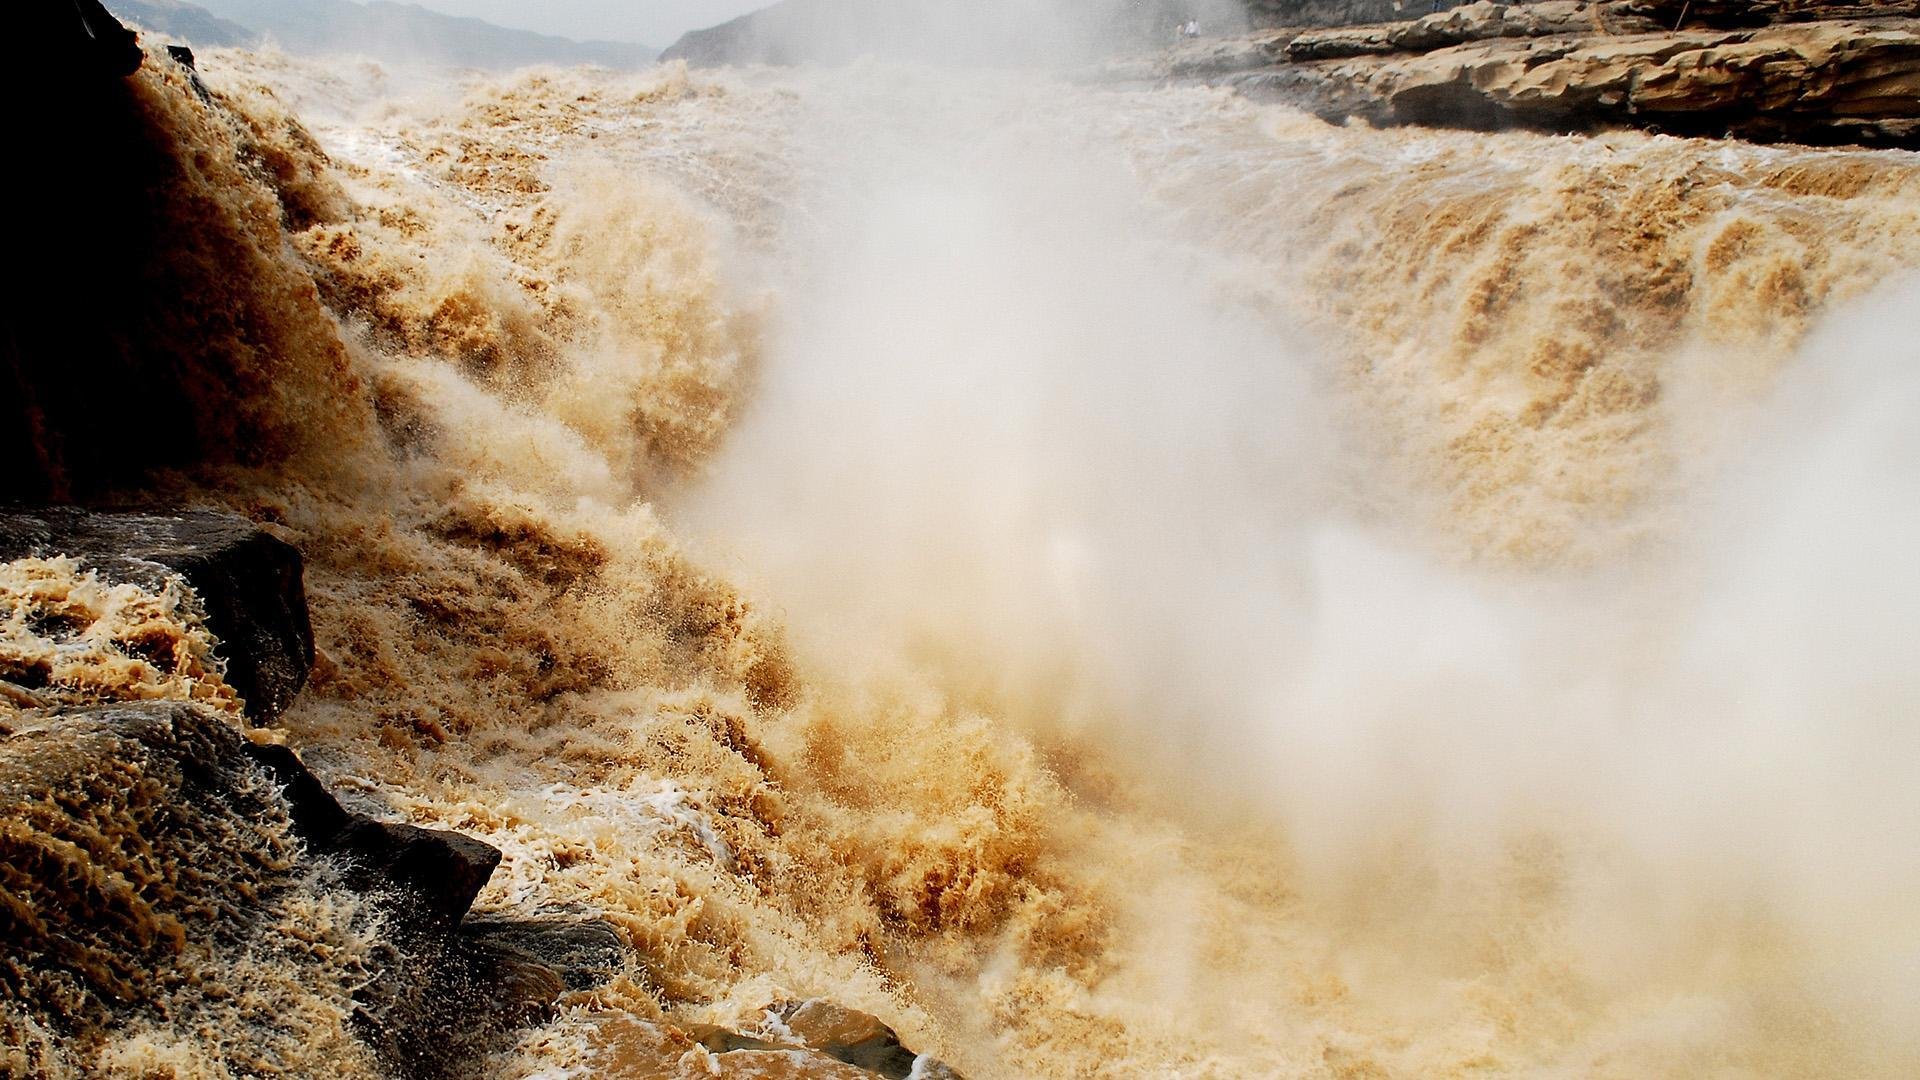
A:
[435, 874]
[248, 582]
[156, 863]
[131, 833]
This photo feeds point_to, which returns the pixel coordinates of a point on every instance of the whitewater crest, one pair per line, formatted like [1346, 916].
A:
[752, 504]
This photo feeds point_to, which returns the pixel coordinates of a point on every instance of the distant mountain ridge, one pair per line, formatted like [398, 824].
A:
[982, 31]
[381, 29]
[188, 22]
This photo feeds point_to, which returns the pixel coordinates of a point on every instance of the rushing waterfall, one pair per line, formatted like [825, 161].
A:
[1115, 581]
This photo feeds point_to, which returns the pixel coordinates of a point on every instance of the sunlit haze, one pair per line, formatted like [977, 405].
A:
[658, 23]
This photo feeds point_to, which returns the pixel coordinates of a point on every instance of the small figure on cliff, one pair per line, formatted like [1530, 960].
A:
[1192, 29]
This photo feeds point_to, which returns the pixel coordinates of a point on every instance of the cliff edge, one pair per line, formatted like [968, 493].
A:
[1807, 72]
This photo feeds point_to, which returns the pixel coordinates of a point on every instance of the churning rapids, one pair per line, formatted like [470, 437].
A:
[1114, 581]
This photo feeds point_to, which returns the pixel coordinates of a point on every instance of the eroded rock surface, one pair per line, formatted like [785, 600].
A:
[248, 584]
[1823, 83]
[1474, 22]
[156, 863]
[1804, 71]
[160, 867]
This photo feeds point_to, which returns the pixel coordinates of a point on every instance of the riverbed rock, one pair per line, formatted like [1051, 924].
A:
[580, 950]
[1829, 82]
[436, 873]
[249, 582]
[1805, 71]
[151, 848]
[1480, 21]
[136, 827]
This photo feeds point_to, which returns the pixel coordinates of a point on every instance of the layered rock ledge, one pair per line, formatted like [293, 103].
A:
[1805, 72]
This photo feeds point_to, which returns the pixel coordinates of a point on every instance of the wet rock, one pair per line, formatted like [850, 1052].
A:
[853, 1037]
[441, 872]
[459, 987]
[67, 64]
[526, 965]
[437, 873]
[152, 848]
[1563, 65]
[515, 991]
[249, 583]
[645, 1049]
[582, 952]
[121, 820]
[213, 822]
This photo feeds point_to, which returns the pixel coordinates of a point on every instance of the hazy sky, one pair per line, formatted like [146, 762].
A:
[655, 22]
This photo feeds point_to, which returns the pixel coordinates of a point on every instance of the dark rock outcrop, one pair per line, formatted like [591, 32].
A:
[461, 986]
[249, 583]
[134, 829]
[583, 952]
[72, 118]
[436, 874]
[92, 396]
[77, 39]
[129, 830]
